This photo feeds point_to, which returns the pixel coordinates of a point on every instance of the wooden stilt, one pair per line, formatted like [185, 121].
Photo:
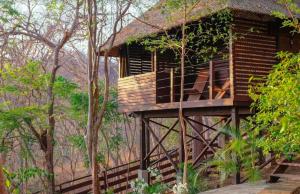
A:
[198, 146]
[144, 148]
[235, 124]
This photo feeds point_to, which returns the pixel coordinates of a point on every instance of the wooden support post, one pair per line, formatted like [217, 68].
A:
[211, 80]
[235, 124]
[172, 85]
[222, 141]
[231, 65]
[198, 146]
[154, 61]
[121, 66]
[127, 67]
[144, 148]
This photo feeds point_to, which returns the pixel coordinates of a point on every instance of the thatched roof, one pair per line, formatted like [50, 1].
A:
[140, 27]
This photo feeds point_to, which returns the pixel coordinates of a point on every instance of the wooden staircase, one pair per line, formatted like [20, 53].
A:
[286, 170]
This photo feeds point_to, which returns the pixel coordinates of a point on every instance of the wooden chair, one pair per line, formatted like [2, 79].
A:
[199, 86]
[222, 91]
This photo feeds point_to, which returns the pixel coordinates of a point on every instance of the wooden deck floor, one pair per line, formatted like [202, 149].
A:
[282, 187]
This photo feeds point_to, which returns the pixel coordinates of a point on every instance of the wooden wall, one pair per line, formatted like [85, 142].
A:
[138, 90]
[139, 60]
[254, 51]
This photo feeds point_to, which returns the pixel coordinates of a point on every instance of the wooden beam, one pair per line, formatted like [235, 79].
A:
[206, 126]
[201, 137]
[144, 142]
[154, 61]
[160, 144]
[231, 65]
[205, 111]
[172, 129]
[137, 106]
[172, 85]
[162, 138]
[211, 80]
[195, 162]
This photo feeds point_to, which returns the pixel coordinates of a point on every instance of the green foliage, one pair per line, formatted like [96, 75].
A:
[204, 40]
[79, 107]
[64, 88]
[79, 110]
[78, 142]
[139, 186]
[15, 179]
[195, 180]
[196, 183]
[239, 154]
[24, 105]
[24, 90]
[276, 100]
[7, 10]
[290, 17]
[277, 104]
[212, 35]
[116, 140]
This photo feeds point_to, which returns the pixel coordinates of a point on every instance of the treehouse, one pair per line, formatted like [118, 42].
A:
[149, 79]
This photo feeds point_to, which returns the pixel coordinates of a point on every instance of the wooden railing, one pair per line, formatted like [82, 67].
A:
[138, 90]
[118, 178]
[209, 81]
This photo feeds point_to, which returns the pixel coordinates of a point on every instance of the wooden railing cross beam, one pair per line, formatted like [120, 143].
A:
[210, 143]
[175, 130]
[162, 138]
[199, 135]
[160, 144]
[206, 126]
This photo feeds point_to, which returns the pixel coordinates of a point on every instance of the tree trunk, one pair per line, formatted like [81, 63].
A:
[2, 181]
[181, 116]
[95, 170]
[50, 131]
[50, 170]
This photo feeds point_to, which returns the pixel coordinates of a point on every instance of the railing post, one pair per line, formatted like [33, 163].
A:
[231, 66]
[104, 180]
[211, 80]
[172, 85]
[154, 61]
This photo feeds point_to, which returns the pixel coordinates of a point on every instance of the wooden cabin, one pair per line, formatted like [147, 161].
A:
[149, 82]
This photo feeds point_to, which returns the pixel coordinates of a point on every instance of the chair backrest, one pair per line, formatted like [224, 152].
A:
[199, 85]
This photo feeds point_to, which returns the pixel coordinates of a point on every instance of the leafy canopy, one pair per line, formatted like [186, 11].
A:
[277, 99]
[277, 104]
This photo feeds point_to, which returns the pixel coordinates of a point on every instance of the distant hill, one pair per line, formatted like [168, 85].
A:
[75, 68]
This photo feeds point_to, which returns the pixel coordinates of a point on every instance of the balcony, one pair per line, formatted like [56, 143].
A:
[204, 87]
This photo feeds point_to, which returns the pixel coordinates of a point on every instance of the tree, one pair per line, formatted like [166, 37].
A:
[276, 100]
[27, 24]
[95, 48]
[23, 108]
